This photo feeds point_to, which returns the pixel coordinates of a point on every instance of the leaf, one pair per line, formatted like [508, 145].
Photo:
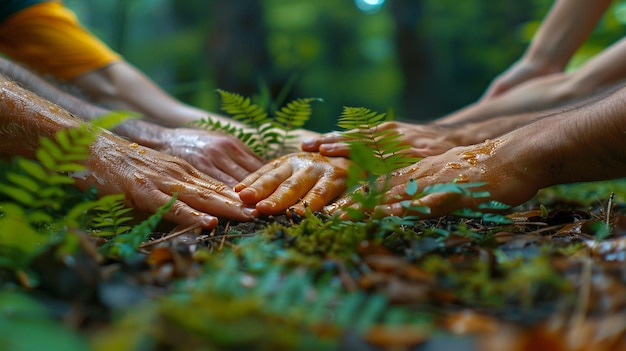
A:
[411, 187]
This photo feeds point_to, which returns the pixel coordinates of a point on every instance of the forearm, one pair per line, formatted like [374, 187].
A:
[121, 86]
[583, 144]
[601, 71]
[544, 94]
[477, 132]
[25, 118]
[564, 29]
[49, 92]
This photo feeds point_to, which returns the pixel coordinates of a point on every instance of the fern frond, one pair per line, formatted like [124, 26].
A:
[386, 145]
[125, 245]
[295, 114]
[292, 116]
[215, 125]
[243, 110]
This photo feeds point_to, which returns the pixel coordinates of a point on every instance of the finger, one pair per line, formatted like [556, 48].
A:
[265, 184]
[179, 213]
[344, 201]
[287, 194]
[247, 160]
[322, 193]
[439, 204]
[208, 196]
[233, 171]
[328, 138]
[335, 149]
[215, 172]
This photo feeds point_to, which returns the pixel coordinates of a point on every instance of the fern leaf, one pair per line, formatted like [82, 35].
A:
[295, 114]
[241, 109]
[125, 245]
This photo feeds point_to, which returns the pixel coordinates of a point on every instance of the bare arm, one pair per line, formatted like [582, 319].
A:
[146, 177]
[602, 72]
[582, 144]
[565, 28]
[220, 156]
[122, 86]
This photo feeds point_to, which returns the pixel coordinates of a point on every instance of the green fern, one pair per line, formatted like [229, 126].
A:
[216, 125]
[243, 110]
[292, 116]
[271, 136]
[108, 217]
[125, 245]
[37, 199]
[385, 145]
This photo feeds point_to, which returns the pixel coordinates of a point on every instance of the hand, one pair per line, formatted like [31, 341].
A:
[300, 180]
[520, 72]
[149, 178]
[493, 162]
[221, 156]
[425, 140]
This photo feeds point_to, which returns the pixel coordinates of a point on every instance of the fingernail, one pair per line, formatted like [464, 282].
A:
[327, 147]
[251, 212]
[209, 221]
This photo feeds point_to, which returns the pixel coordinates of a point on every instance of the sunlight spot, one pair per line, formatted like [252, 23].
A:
[369, 6]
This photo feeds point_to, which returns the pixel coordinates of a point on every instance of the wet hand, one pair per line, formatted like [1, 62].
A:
[424, 140]
[489, 162]
[297, 180]
[221, 156]
[148, 179]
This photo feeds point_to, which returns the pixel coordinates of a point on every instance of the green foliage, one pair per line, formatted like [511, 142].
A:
[27, 325]
[108, 217]
[38, 201]
[248, 299]
[386, 145]
[518, 279]
[268, 136]
[125, 245]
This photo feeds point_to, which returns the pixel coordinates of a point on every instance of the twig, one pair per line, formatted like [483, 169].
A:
[609, 210]
[169, 236]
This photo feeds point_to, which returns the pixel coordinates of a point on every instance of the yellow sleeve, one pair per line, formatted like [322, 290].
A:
[48, 38]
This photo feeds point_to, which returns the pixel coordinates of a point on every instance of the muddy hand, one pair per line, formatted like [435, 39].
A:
[299, 180]
[221, 156]
[489, 162]
[149, 178]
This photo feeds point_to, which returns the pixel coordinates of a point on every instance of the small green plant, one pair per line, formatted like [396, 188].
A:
[385, 145]
[38, 200]
[268, 136]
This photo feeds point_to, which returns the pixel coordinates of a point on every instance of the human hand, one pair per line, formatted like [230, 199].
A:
[491, 162]
[149, 178]
[296, 180]
[518, 73]
[425, 140]
[221, 156]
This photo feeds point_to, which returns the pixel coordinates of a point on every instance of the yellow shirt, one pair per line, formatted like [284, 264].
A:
[48, 38]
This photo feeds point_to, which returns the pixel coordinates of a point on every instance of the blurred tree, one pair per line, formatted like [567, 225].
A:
[237, 46]
[421, 88]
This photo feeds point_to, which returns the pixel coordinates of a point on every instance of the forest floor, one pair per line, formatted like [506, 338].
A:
[552, 279]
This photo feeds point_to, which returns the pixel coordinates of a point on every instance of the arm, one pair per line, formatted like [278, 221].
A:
[122, 86]
[147, 178]
[221, 156]
[565, 28]
[602, 72]
[516, 165]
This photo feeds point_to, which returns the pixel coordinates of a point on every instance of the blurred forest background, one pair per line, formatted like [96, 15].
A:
[419, 58]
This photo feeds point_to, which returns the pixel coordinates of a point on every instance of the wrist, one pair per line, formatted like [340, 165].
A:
[143, 133]
[543, 61]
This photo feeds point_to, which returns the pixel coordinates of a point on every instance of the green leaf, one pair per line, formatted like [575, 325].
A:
[411, 187]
